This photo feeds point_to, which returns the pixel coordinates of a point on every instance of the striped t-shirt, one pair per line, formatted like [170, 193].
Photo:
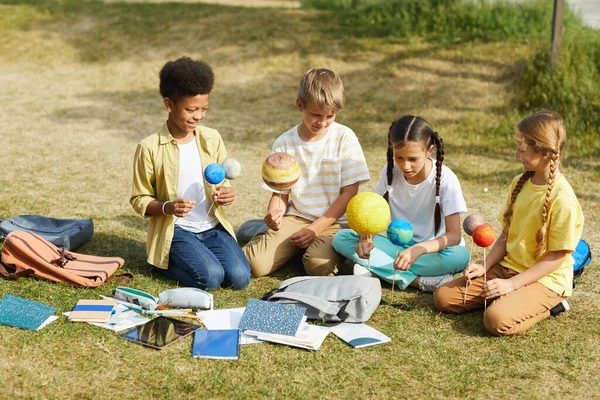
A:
[327, 165]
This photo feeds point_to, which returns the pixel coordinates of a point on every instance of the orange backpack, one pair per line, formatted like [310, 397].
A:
[27, 254]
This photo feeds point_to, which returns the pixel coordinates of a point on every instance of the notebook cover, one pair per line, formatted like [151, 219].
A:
[359, 335]
[219, 343]
[270, 317]
[92, 310]
[23, 313]
[309, 337]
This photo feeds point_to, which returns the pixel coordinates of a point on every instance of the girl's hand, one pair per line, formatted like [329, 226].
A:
[180, 207]
[274, 218]
[496, 288]
[224, 196]
[407, 257]
[472, 271]
[364, 247]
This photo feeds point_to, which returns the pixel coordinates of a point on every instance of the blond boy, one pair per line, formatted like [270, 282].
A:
[332, 166]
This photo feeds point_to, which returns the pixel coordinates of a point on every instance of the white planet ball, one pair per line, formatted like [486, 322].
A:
[233, 169]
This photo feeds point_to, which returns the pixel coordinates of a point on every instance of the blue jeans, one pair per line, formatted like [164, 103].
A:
[451, 260]
[207, 260]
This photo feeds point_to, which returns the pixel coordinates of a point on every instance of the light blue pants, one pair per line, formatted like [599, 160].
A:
[451, 260]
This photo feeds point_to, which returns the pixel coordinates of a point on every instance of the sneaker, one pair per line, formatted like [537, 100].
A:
[361, 271]
[559, 308]
[430, 283]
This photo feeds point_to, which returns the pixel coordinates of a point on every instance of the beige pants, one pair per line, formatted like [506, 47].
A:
[510, 314]
[270, 250]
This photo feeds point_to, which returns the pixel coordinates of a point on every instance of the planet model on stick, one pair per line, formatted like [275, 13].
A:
[484, 235]
[472, 222]
[280, 171]
[400, 232]
[232, 167]
[214, 173]
[368, 213]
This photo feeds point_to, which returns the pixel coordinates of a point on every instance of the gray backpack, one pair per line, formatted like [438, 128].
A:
[346, 298]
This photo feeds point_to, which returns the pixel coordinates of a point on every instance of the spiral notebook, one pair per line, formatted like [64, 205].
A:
[270, 317]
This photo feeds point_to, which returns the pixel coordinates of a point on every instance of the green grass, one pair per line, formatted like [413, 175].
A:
[80, 89]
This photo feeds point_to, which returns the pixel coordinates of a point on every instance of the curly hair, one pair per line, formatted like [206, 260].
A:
[411, 128]
[185, 77]
[543, 131]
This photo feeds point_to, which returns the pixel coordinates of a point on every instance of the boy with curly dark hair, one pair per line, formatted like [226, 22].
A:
[188, 240]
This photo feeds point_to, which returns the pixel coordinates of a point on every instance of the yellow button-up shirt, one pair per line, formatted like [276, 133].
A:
[155, 177]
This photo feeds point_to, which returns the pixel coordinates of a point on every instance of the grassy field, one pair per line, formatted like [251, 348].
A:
[80, 89]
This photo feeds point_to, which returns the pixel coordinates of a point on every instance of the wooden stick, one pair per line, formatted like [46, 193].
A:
[484, 278]
[369, 259]
[466, 281]
[394, 275]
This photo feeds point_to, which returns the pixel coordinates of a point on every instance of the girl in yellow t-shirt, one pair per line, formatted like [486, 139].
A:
[529, 268]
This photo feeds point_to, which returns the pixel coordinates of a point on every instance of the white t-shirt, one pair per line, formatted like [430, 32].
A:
[327, 165]
[191, 186]
[416, 203]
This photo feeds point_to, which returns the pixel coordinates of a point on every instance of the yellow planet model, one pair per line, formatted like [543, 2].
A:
[368, 213]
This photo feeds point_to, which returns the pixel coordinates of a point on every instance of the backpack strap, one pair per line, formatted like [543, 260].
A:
[121, 279]
[16, 274]
[313, 301]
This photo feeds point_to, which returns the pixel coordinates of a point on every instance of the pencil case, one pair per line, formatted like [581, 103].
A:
[186, 297]
[137, 297]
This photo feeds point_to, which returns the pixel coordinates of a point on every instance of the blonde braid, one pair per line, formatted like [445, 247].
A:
[541, 236]
[507, 217]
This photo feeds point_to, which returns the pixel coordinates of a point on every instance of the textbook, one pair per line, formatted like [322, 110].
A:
[24, 313]
[359, 335]
[92, 310]
[219, 343]
[270, 317]
[308, 337]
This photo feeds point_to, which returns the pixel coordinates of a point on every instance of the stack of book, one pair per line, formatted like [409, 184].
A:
[281, 323]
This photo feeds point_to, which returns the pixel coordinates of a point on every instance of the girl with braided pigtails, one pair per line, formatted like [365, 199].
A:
[529, 269]
[425, 193]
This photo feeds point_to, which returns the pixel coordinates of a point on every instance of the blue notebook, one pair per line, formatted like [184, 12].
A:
[270, 317]
[218, 343]
[24, 313]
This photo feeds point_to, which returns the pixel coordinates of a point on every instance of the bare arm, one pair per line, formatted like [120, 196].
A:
[451, 238]
[305, 236]
[276, 210]
[550, 263]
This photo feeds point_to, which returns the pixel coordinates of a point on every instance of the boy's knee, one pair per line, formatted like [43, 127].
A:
[212, 280]
[319, 266]
[240, 279]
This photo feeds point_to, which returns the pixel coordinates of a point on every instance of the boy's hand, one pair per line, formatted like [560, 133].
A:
[364, 247]
[180, 207]
[224, 196]
[472, 271]
[303, 238]
[274, 218]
